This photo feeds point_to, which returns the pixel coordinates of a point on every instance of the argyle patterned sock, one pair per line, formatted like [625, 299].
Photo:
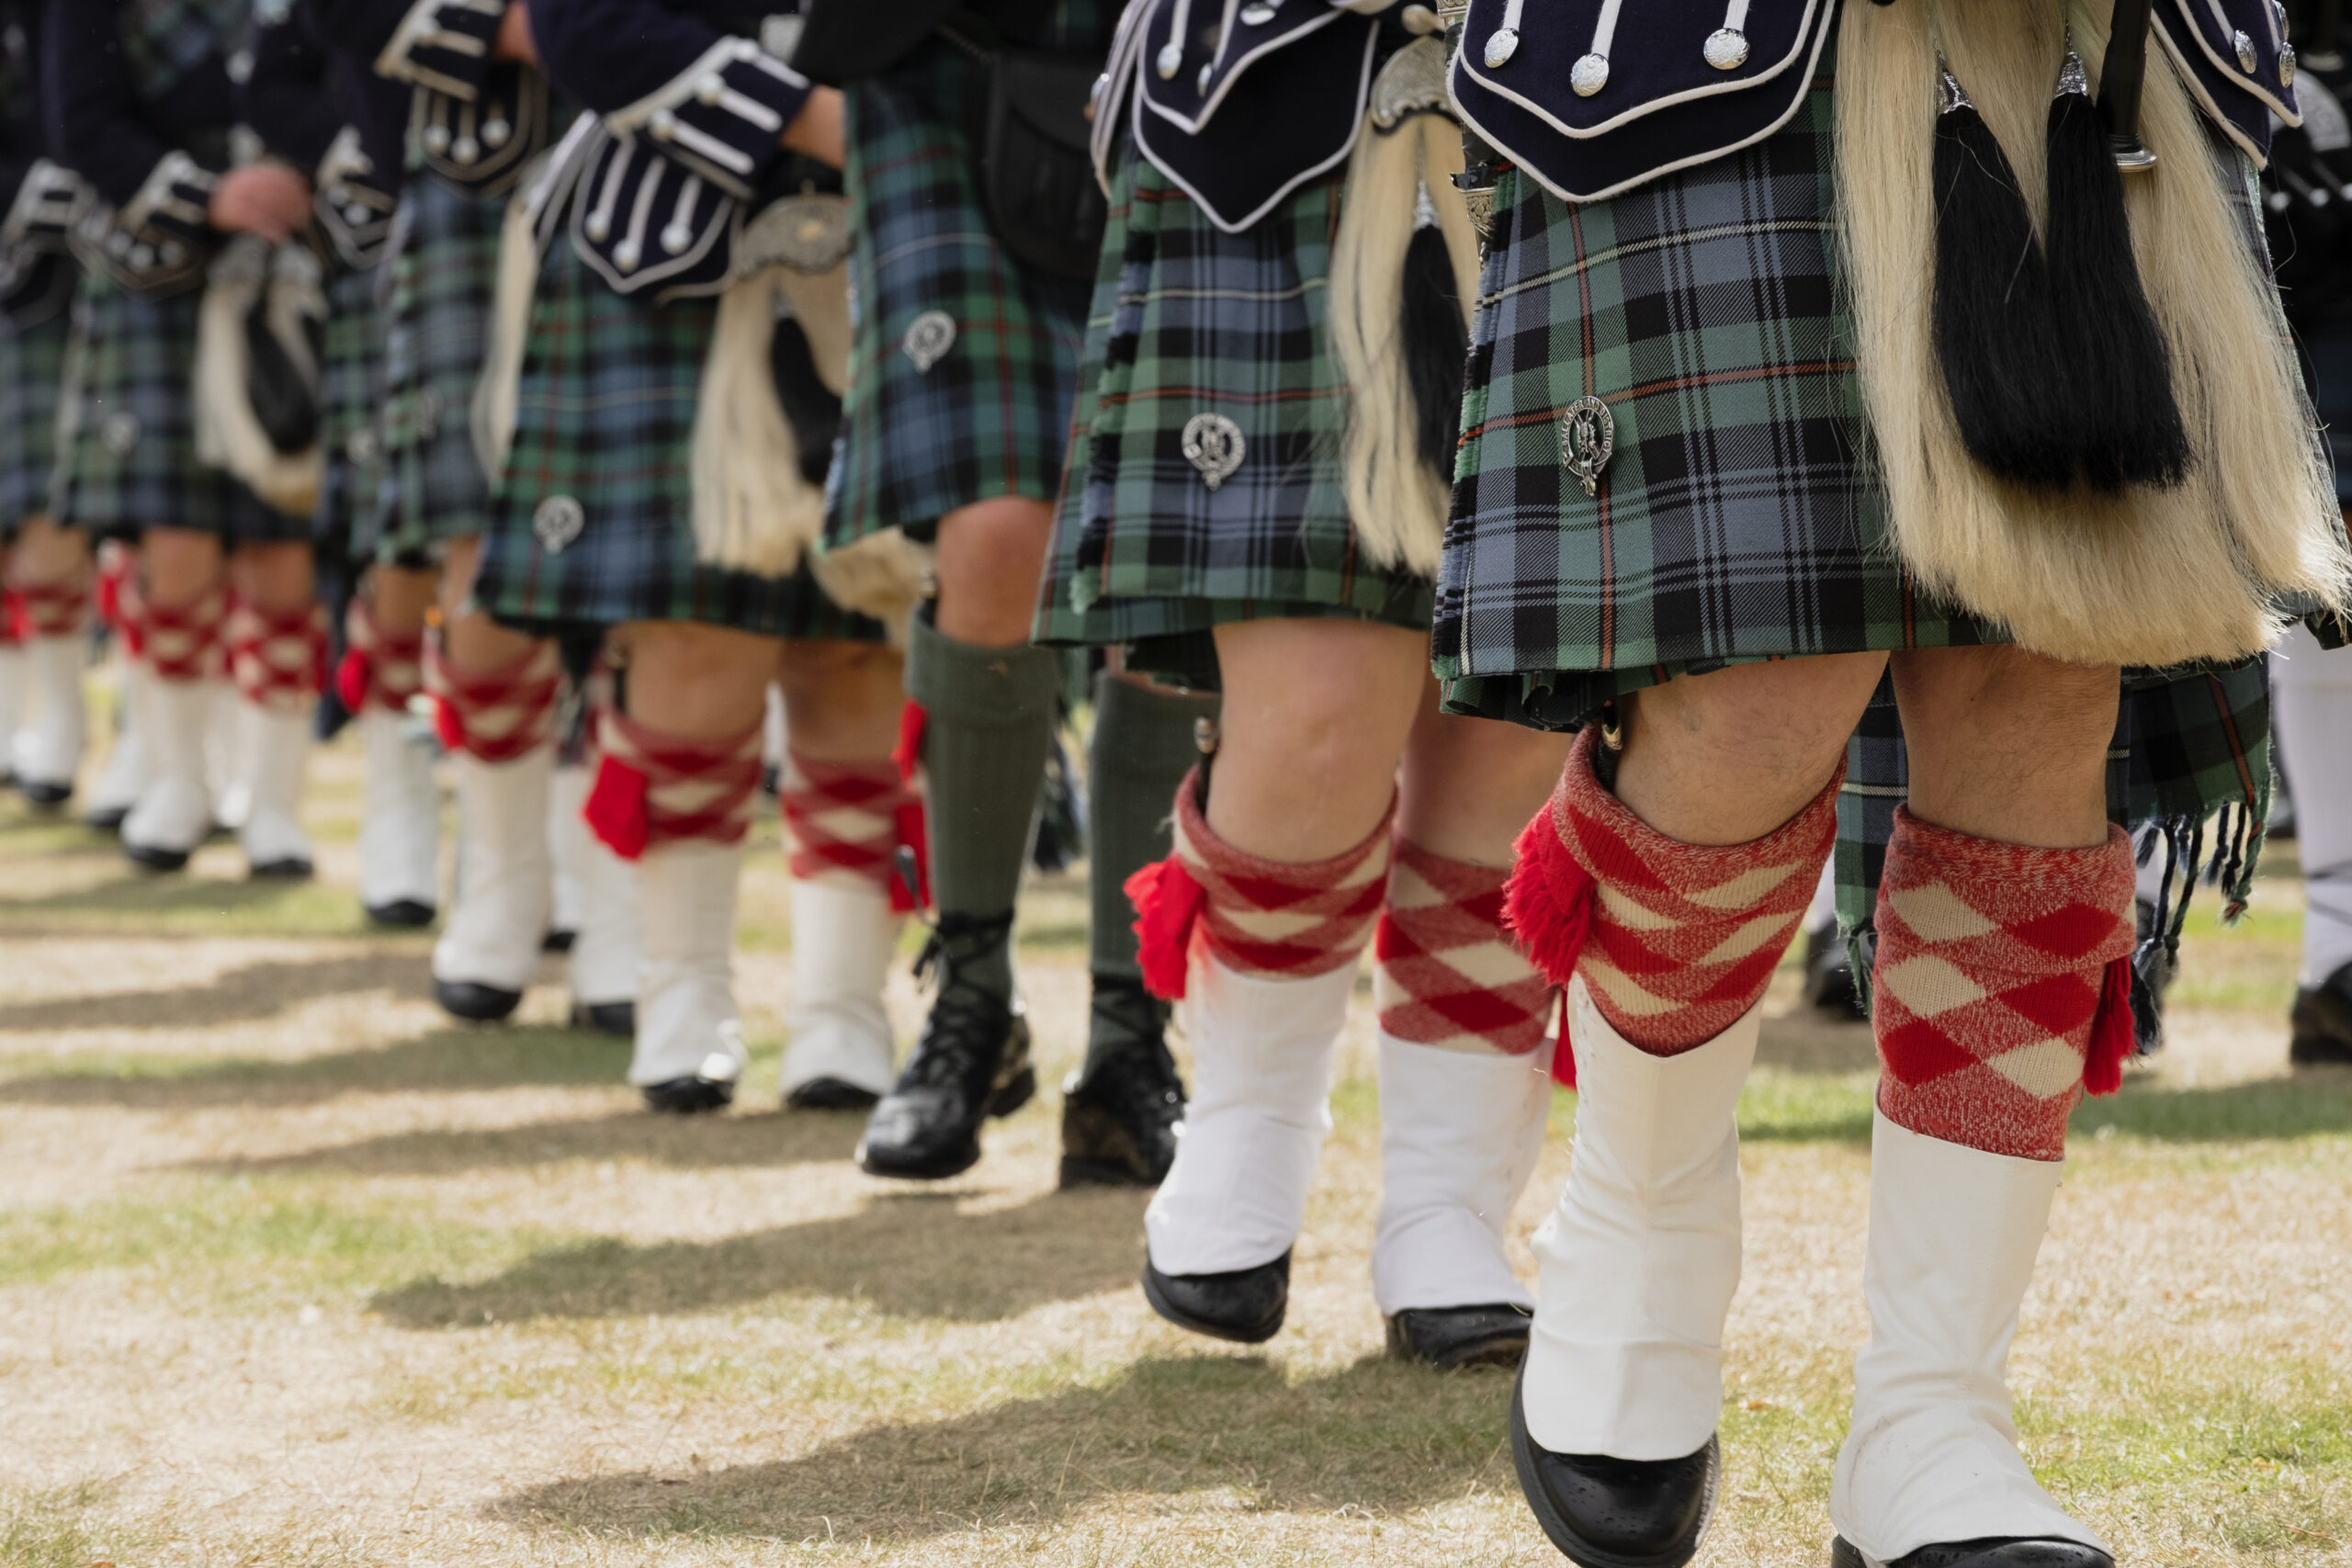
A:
[1676, 941]
[844, 821]
[377, 666]
[1272, 919]
[1448, 975]
[495, 715]
[654, 788]
[2002, 971]
[181, 642]
[277, 657]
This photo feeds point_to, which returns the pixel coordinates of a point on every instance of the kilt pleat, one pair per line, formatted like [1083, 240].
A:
[350, 390]
[593, 524]
[32, 367]
[126, 457]
[1191, 322]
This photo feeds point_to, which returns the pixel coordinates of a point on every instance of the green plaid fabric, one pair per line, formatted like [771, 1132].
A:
[126, 457]
[443, 275]
[163, 40]
[32, 367]
[350, 392]
[1187, 321]
[989, 416]
[594, 522]
[1737, 519]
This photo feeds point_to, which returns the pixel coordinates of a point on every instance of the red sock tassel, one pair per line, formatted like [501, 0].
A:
[353, 676]
[1168, 902]
[1564, 1060]
[1548, 900]
[908, 753]
[2111, 1037]
[615, 810]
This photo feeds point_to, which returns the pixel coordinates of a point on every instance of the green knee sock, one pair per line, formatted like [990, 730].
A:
[989, 721]
[1144, 744]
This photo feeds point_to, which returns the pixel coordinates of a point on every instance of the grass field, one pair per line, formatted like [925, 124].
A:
[293, 1272]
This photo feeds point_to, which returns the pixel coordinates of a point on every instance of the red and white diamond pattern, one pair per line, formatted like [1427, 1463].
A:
[182, 642]
[1275, 918]
[498, 714]
[841, 819]
[277, 657]
[1447, 974]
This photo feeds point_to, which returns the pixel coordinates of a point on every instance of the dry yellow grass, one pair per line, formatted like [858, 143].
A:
[294, 1274]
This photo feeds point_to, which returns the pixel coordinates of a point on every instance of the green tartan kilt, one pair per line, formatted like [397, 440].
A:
[126, 457]
[32, 367]
[443, 277]
[350, 390]
[593, 524]
[1189, 321]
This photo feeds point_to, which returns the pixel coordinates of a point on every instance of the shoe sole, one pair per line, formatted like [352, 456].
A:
[404, 914]
[1251, 1334]
[689, 1097]
[154, 858]
[830, 1094]
[279, 871]
[476, 1003]
[1563, 1535]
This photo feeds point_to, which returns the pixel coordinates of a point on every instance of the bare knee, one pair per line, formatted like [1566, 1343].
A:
[991, 561]
[275, 575]
[181, 565]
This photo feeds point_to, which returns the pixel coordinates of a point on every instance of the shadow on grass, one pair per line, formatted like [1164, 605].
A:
[254, 990]
[2315, 1103]
[455, 1058]
[1377, 1437]
[137, 892]
[913, 1255]
[695, 1143]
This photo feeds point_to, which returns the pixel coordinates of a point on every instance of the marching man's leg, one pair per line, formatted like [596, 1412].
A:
[49, 602]
[2312, 690]
[382, 669]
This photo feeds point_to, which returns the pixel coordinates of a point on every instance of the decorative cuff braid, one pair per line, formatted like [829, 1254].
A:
[654, 788]
[447, 45]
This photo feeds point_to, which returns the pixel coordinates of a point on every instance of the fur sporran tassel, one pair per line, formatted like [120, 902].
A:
[251, 304]
[2108, 344]
[756, 508]
[2003, 366]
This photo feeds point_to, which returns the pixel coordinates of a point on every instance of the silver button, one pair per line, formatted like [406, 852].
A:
[1170, 59]
[1590, 75]
[1201, 83]
[465, 150]
[494, 132]
[2286, 64]
[1257, 15]
[1727, 49]
[664, 125]
[436, 140]
[2245, 47]
[711, 87]
[1214, 444]
[1501, 47]
[626, 253]
[928, 337]
[558, 520]
[676, 237]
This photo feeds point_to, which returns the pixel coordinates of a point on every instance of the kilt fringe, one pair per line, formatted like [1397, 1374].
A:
[2154, 577]
[1395, 501]
[754, 510]
[228, 433]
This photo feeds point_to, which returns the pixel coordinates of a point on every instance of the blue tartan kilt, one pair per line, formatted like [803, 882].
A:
[350, 394]
[32, 367]
[1189, 320]
[593, 523]
[439, 285]
[126, 455]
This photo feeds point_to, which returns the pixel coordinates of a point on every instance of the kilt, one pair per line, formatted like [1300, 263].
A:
[593, 524]
[1188, 319]
[126, 455]
[351, 382]
[32, 367]
[990, 415]
[437, 333]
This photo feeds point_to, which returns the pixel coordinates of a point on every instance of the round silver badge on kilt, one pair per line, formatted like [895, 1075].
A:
[1587, 435]
[556, 520]
[928, 339]
[1214, 444]
[118, 432]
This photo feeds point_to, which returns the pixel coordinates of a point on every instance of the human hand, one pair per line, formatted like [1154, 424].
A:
[514, 35]
[820, 130]
[265, 199]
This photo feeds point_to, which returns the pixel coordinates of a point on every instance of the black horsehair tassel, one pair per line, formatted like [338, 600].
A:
[2002, 362]
[1435, 341]
[2127, 422]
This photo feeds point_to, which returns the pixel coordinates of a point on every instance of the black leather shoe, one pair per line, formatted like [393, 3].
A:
[1245, 1305]
[558, 941]
[44, 793]
[830, 1094]
[106, 818]
[475, 1003]
[690, 1096]
[293, 868]
[972, 1063]
[1615, 1513]
[2322, 1021]
[406, 913]
[1829, 972]
[617, 1019]
[1120, 1114]
[154, 857]
[1459, 1337]
[1992, 1551]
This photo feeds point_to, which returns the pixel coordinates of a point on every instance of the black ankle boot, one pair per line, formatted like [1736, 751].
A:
[972, 1063]
[2322, 1021]
[1245, 1305]
[1447, 1337]
[1615, 1513]
[1120, 1114]
[1996, 1551]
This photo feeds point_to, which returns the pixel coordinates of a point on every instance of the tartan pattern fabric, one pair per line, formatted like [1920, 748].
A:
[1684, 937]
[182, 643]
[32, 368]
[841, 819]
[1992, 965]
[1188, 321]
[495, 715]
[164, 39]
[47, 610]
[377, 667]
[1277, 919]
[350, 393]
[126, 455]
[654, 788]
[442, 277]
[1737, 518]
[1446, 973]
[604, 418]
[990, 415]
[278, 657]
